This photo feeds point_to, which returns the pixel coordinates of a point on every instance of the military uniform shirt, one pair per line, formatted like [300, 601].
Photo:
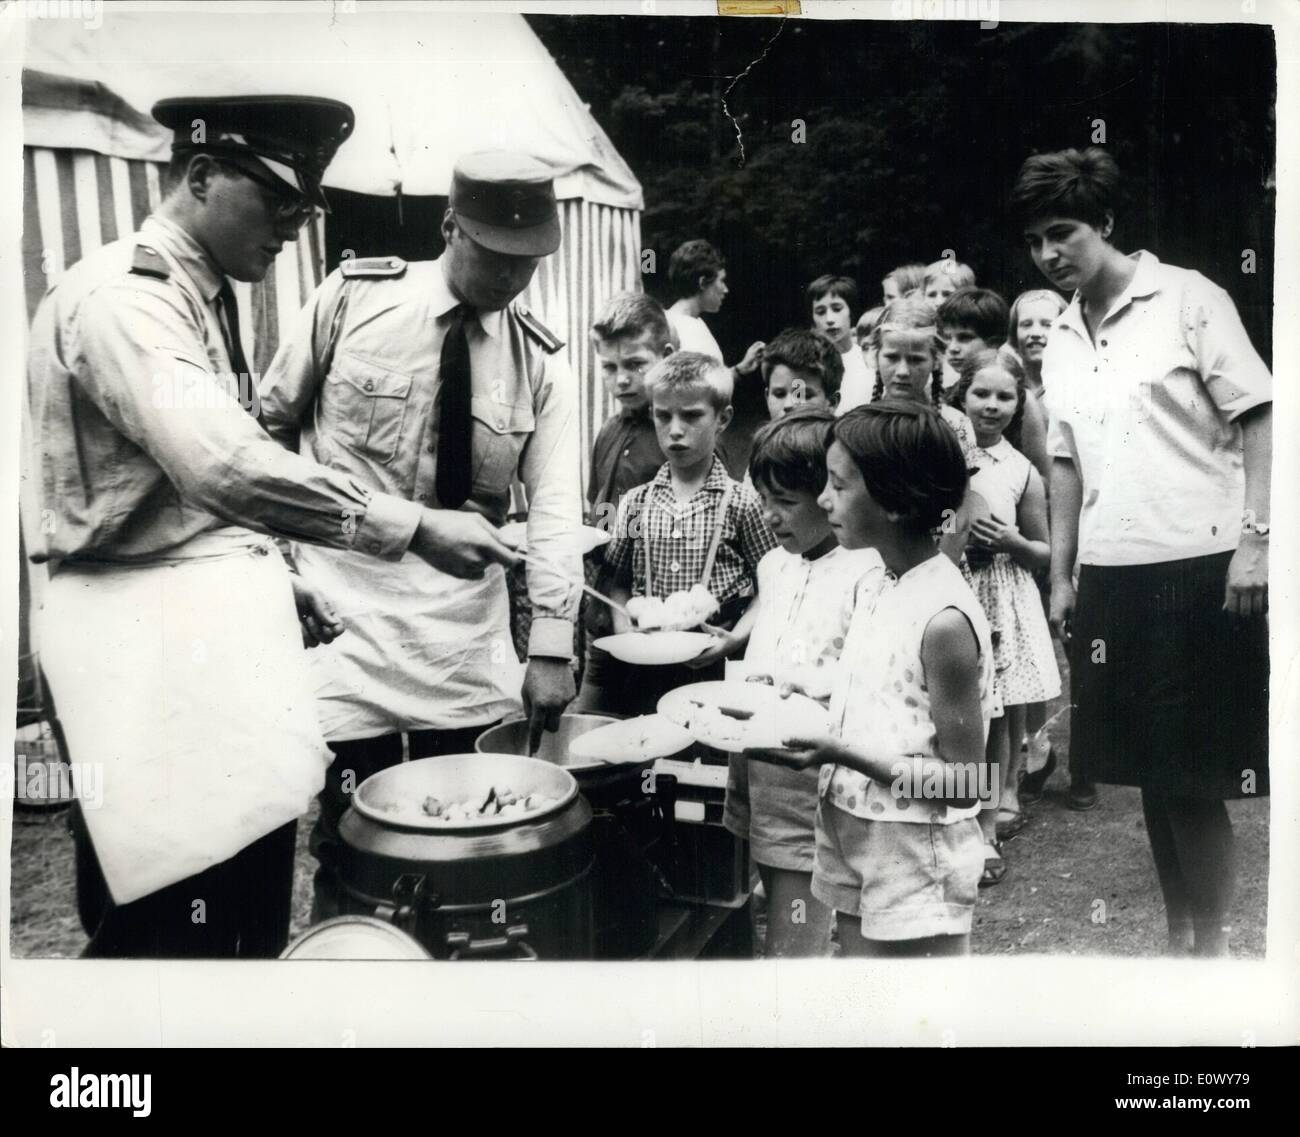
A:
[141, 443]
[357, 388]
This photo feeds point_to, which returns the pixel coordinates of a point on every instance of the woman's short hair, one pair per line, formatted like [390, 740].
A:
[1081, 184]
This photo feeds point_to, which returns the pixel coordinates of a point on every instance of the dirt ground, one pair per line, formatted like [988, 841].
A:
[1060, 865]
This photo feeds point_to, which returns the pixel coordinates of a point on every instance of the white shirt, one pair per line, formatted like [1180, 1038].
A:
[805, 608]
[855, 387]
[693, 334]
[1148, 416]
[882, 694]
[1001, 478]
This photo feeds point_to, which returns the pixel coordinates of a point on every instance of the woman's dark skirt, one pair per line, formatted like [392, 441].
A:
[1170, 692]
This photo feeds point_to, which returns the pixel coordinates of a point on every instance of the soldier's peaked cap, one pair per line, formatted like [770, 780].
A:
[506, 202]
[294, 136]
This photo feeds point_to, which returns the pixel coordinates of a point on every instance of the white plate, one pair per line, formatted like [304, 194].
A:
[696, 708]
[632, 740]
[589, 537]
[655, 648]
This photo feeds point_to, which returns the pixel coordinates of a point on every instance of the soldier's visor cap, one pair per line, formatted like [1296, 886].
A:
[506, 202]
[294, 136]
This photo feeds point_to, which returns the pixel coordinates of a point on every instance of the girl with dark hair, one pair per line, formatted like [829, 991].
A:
[899, 850]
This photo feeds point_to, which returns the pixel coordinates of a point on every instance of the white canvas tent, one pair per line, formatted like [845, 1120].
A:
[427, 85]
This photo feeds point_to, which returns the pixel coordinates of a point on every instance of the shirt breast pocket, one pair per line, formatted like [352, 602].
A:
[500, 433]
[367, 405]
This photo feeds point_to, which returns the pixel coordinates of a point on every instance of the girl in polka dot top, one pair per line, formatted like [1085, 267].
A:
[898, 848]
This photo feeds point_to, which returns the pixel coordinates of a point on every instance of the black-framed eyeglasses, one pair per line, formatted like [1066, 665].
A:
[286, 207]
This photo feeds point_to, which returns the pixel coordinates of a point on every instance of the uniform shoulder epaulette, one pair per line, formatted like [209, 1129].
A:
[372, 267]
[550, 342]
[148, 261]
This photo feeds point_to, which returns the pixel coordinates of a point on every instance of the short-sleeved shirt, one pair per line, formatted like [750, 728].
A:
[1148, 412]
[677, 535]
[693, 334]
[882, 692]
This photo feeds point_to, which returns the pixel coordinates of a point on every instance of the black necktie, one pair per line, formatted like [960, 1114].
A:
[245, 390]
[452, 481]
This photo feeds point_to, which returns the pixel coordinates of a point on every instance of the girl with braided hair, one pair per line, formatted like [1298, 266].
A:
[907, 352]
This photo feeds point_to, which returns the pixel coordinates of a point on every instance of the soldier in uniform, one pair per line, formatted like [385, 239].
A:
[427, 381]
[168, 633]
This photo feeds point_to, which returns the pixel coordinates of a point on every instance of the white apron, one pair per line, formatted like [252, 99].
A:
[422, 650]
[184, 683]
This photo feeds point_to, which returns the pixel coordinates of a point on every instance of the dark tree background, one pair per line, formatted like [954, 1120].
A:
[915, 130]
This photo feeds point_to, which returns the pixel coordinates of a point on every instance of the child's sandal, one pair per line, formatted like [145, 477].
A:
[995, 867]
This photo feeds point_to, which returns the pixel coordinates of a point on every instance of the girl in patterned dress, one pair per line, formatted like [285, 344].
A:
[1004, 551]
[899, 850]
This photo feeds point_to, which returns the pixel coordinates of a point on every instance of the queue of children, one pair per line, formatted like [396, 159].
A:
[892, 539]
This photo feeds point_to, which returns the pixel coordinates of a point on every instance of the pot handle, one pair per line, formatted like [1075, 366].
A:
[464, 946]
[408, 893]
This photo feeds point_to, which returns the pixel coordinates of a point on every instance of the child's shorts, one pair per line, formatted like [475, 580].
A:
[775, 810]
[904, 879]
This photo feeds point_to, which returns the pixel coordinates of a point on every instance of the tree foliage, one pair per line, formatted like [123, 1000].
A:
[913, 133]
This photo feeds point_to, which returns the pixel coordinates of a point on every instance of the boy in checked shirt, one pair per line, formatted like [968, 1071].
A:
[691, 524]
[630, 335]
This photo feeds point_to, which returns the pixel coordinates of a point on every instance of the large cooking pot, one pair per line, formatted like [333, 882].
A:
[495, 887]
[630, 827]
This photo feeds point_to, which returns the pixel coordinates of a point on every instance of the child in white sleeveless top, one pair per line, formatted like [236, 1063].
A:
[899, 850]
[1003, 552]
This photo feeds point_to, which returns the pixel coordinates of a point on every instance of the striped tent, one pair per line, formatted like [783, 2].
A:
[74, 201]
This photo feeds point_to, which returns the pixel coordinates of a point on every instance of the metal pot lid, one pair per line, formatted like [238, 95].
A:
[396, 797]
[354, 937]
